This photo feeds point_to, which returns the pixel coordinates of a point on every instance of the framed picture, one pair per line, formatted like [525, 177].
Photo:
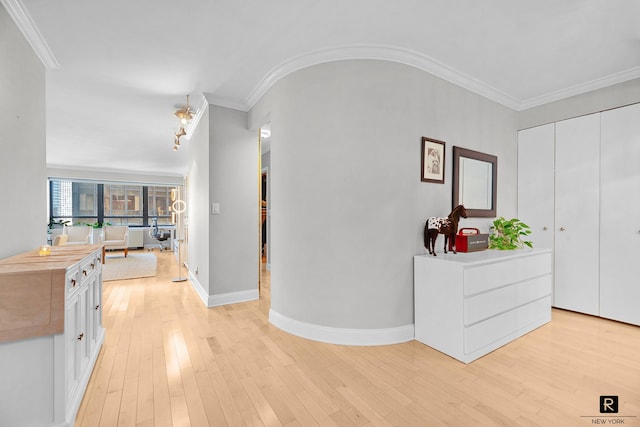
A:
[432, 161]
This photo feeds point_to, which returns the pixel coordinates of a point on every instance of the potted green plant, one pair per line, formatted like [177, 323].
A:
[508, 234]
[56, 224]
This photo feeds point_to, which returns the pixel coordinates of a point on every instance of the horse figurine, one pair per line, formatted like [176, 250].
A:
[447, 226]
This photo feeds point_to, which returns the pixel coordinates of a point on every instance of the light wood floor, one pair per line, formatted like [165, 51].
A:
[169, 361]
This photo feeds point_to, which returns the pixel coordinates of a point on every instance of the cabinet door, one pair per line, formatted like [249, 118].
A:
[81, 338]
[536, 157]
[577, 185]
[620, 215]
[94, 311]
[71, 331]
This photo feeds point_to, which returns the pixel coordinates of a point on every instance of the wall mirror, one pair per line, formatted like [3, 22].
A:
[475, 178]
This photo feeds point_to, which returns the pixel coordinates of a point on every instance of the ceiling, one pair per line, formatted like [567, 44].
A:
[117, 70]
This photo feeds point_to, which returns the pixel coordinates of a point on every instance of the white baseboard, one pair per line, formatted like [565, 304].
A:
[198, 288]
[233, 298]
[222, 299]
[343, 336]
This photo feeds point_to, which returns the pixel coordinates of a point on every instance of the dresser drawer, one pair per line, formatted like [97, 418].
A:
[534, 312]
[534, 289]
[481, 306]
[490, 276]
[484, 333]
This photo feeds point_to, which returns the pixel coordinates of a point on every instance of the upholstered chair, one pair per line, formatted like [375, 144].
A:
[115, 237]
[79, 235]
[60, 240]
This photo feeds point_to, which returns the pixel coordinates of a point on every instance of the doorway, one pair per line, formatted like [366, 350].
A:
[264, 252]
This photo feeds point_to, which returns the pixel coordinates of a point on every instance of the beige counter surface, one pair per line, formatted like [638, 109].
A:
[32, 291]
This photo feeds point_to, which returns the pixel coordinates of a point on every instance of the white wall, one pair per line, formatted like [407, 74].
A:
[23, 213]
[234, 180]
[22, 143]
[197, 207]
[348, 206]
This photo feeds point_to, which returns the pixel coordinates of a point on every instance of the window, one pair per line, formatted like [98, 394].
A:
[85, 202]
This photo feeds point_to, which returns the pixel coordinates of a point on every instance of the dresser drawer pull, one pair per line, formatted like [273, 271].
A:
[80, 336]
[73, 282]
[93, 265]
[97, 306]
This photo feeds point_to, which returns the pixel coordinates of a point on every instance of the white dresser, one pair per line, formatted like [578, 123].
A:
[469, 304]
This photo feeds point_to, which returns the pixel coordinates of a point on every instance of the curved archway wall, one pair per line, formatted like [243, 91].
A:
[348, 206]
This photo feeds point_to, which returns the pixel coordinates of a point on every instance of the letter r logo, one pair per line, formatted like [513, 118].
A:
[608, 404]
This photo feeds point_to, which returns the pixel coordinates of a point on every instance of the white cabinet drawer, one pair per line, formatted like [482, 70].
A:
[73, 278]
[482, 306]
[534, 312]
[534, 289]
[484, 333]
[490, 276]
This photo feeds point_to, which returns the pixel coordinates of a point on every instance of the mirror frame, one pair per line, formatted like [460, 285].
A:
[459, 152]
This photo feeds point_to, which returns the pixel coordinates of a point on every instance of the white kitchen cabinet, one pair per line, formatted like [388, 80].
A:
[577, 214]
[469, 304]
[52, 362]
[620, 215]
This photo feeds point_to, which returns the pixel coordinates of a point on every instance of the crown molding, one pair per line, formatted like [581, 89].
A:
[385, 53]
[193, 125]
[27, 26]
[424, 63]
[632, 73]
[225, 102]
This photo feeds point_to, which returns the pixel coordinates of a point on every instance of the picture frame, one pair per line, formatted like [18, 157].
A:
[433, 160]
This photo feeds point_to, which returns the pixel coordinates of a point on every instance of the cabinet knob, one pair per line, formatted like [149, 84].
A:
[93, 266]
[80, 336]
[73, 282]
[84, 272]
[97, 306]
[562, 228]
[545, 228]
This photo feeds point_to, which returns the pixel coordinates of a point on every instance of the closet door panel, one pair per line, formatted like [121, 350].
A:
[620, 215]
[536, 153]
[577, 185]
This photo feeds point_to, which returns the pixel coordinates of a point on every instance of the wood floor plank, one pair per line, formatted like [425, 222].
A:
[168, 360]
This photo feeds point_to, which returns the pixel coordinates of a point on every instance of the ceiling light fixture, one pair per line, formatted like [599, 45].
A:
[185, 115]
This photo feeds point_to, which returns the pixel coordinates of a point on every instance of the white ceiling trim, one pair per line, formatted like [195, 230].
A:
[603, 82]
[385, 53]
[192, 126]
[25, 23]
[227, 102]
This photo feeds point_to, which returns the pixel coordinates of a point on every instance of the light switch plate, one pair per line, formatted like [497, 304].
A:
[215, 208]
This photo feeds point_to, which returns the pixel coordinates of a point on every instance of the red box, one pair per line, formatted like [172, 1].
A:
[471, 240]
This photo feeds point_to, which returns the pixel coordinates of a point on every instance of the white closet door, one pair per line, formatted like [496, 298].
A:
[620, 215]
[577, 214]
[536, 155]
